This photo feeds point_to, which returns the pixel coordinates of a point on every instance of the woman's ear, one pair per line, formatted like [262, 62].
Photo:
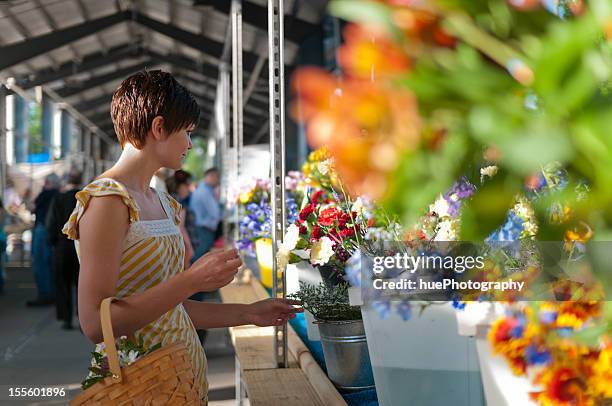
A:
[157, 128]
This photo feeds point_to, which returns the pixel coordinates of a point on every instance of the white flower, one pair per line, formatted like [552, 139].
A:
[323, 166]
[321, 251]
[446, 231]
[440, 207]
[358, 206]
[291, 238]
[489, 171]
[129, 358]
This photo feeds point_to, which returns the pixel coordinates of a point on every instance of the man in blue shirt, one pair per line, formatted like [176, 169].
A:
[205, 205]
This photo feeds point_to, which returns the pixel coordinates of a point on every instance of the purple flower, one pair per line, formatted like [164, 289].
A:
[383, 308]
[462, 189]
[404, 309]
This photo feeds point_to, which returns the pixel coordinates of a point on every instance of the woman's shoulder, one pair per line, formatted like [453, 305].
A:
[99, 188]
[174, 205]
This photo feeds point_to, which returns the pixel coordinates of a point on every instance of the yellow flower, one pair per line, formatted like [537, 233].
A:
[601, 380]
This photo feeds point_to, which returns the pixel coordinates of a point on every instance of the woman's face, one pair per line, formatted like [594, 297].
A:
[173, 150]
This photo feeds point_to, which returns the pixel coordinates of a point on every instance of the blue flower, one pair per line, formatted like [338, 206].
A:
[383, 308]
[510, 231]
[535, 357]
[548, 317]
[352, 269]
[457, 304]
[518, 330]
[404, 309]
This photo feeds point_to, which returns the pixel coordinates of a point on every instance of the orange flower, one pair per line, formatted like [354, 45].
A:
[364, 125]
[370, 54]
[563, 387]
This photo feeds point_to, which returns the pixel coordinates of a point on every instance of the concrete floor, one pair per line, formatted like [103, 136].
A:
[36, 352]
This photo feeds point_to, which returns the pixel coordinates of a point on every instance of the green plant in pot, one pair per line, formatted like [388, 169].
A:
[342, 334]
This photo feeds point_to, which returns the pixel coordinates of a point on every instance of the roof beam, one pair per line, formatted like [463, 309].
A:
[257, 16]
[195, 41]
[89, 62]
[22, 51]
[86, 16]
[93, 103]
[51, 23]
[185, 63]
[102, 79]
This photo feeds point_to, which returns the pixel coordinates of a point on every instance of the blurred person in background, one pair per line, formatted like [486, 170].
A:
[65, 260]
[180, 187]
[42, 259]
[207, 210]
[160, 179]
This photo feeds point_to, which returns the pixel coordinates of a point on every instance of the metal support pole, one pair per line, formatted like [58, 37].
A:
[95, 153]
[87, 141]
[277, 152]
[3, 134]
[237, 107]
[222, 116]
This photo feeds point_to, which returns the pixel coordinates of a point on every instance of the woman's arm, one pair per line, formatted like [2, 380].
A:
[269, 312]
[102, 230]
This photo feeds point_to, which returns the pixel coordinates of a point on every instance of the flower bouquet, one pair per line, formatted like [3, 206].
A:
[128, 351]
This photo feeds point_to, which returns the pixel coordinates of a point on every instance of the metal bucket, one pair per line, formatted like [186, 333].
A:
[346, 354]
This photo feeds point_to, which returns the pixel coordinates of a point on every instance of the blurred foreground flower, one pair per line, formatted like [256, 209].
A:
[365, 126]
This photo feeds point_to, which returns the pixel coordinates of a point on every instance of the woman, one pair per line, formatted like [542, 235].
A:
[129, 242]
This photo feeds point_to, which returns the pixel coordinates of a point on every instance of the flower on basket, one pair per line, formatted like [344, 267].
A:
[128, 352]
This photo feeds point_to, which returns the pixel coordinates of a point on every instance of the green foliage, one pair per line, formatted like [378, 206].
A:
[35, 138]
[327, 303]
[100, 369]
[196, 159]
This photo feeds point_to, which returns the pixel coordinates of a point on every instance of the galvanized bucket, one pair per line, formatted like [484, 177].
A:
[346, 354]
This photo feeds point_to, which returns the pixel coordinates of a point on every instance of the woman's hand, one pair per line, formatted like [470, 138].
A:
[272, 312]
[214, 270]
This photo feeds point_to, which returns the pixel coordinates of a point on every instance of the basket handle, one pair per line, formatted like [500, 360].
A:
[109, 339]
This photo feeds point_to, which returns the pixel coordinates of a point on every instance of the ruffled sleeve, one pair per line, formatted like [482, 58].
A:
[99, 187]
[175, 207]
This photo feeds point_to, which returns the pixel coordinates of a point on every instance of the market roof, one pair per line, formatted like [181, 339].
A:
[82, 49]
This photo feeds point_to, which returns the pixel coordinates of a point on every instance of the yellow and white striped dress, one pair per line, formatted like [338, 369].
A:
[152, 253]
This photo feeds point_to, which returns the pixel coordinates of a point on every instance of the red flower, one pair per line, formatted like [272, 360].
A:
[303, 229]
[307, 211]
[329, 216]
[348, 232]
[504, 331]
[316, 232]
[566, 387]
[316, 196]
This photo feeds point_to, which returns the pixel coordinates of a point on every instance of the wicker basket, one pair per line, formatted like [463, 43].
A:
[163, 377]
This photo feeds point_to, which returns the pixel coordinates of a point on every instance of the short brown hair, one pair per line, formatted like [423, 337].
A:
[146, 95]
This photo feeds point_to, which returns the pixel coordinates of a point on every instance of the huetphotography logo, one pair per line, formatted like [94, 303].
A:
[500, 271]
